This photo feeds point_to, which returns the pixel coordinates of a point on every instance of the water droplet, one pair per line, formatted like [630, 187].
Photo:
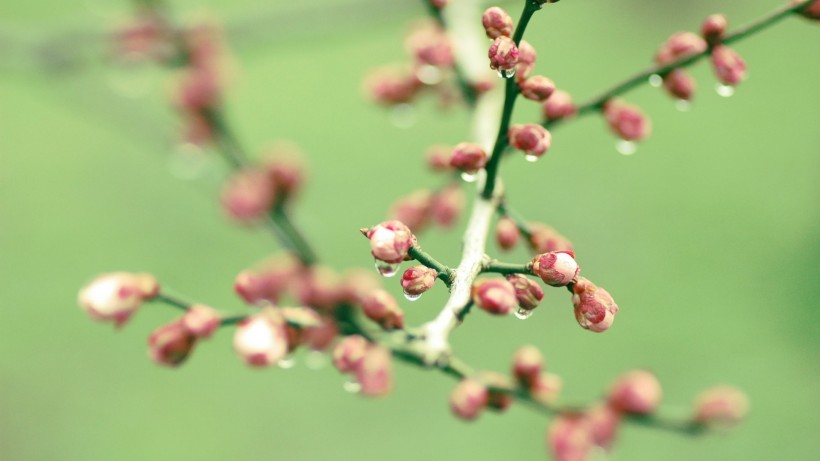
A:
[625, 147]
[724, 90]
[468, 176]
[429, 75]
[523, 314]
[683, 105]
[531, 158]
[386, 269]
[286, 363]
[412, 297]
[509, 73]
[352, 386]
[656, 80]
[316, 360]
[188, 161]
[403, 115]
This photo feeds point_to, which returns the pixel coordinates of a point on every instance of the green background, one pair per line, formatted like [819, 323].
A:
[707, 237]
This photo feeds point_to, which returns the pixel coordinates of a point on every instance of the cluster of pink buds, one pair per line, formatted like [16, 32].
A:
[171, 344]
[265, 283]
[116, 296]
[370, 364]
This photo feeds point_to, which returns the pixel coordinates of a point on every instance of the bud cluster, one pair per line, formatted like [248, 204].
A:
[370, 364]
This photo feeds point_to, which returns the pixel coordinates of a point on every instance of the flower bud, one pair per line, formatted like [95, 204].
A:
[531, 138]
[375, 374]
[544, 238]
[496, 399]
[594, 307]
[321, 337]
[267, 281]
[729, 67]
[260, 340]
[196, 130]
[349, 353]
[197, 90]
[116, 296]
[170, 344]
[318, 287]
[429, 45]
[390, 241]
[503, 54]
[413, 210]
[556, 268]
[497, 22]
[201, 321]
[713, 28]
[357, 284]
[721, 405]
[438, 158]
[284, 165]
[418, 279]
[679, 84]
[527, 365]
[382, 308]
[546, 388]
[628, 122]
[389, 86]
[446, 205]
[527, 292]
[468, 399]
[558, 106]
[468, 157]
[637, 392]
[526, 61]
[603, 424]
[811, 11]
[537, 88]
[496, 296]
[298, 321]
[506, 233]
[569, 437]
[679, 45]
[248, 196]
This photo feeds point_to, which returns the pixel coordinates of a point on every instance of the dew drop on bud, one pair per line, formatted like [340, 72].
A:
[523, 314]
[386, 269]
[286, 363]
[625, 147]
[724, 90]
[509, 73]
[412, 297]
[429, 75]
[531, 158]
[683, 105]
[352, 386]
[403, 115]
[316, 360]
[468, 177]
[655, 80]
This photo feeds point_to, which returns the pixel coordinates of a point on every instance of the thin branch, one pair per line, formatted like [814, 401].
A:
[508, 268]
[444, 273]
[520, 222]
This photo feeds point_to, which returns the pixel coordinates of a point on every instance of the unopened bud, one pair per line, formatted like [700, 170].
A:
[382, 308]
[496, 296]
[679, 84]
[527, 364]
[468, 399]
[260, 340]
[170, 344]
[429, 45]
[497, 22]
[318, 287]
[594, 307]
[497, 398]
[637, 392]
[248, 196]
[569, 437]
[468, 157]
[267, 281]
[390, 241]
[349, 353]
[544, 238]
[418, 279]
[507, 233]
[375, 374]
[722, 406]
[531, 138]
[389, 86]
[713, 28]
[537, 88]
[558, 106]
[527, 292]
[546, 388]
[679, 45]
[413, 210]
[603, 424]
[729, 67]
[447, 205]
[503, 54]
[116, 296]
[198, 89]
[357, 284]
[628, 122]
[438, 158]
[556, 268]
[201, 321]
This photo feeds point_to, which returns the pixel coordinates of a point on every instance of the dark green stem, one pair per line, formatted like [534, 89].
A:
[444, 273]
[171, 301]
[291, 237]
[508, 268]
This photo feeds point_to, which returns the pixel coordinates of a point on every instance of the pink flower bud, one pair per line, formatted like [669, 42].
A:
[170, 344]
[418, 279]
[321, 337]
[248, 196]
[298, 321]
[201, 321]
[197, 90]
[558, 106]
[260, 340]
[267, 281]
[375, 374]
[713, 28]
[497, 399]
[546, 388]
[318, 287]
[284, 165]
[527, 292]
[196, 130]
[729, 67]
[349, 353]
[497, 22]
[496, 296]
[811, 11]
[679, 84]
[637, 392]
[531, 138]
[679, 45]
[382, 308]
[544, 238]
[537, 88]
[628, 122]
[569, 437]
[594, 307]
[413, 209]
[526, 61]
[389, 86]
[468, 399]
[116, 296]
[503, 54]
[447, 205]
[357, 284]
[438, 158]
[506, 233]
[556, 268]
[722, 405]
[428, 44]
[603, 424]
[527, 365]
[468, 157]
[390, 241]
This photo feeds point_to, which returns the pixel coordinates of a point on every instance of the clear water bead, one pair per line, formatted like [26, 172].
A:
[656, 80]
[316, 360]
[724, 90]
[523, 314]
[625, 147]
[429, 75]
[411, 297]
[386, 269]
[352, 386]
[286, 363]
[468, 177]
[683, 105]
[531, 158]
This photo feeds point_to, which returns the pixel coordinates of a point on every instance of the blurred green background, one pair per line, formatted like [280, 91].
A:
[707, 236]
